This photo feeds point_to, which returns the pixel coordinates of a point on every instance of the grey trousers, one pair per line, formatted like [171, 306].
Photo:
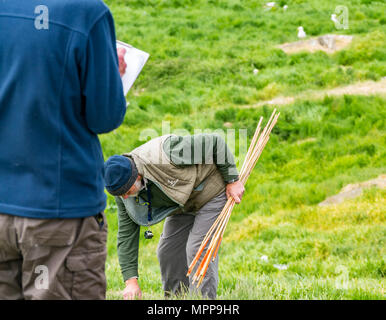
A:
[52, 259]
[181, 238]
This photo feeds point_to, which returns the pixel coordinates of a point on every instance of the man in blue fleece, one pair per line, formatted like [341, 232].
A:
[60, 87]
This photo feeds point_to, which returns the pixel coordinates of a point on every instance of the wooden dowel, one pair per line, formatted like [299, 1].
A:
[200, 266]
[203, 244]
[261, 144]
[218, 247]
[253, 142]
[253, 161]
[206, 256]
[205, 262]
[214, 243]
[209, 233]
[222, 232]
[214, 249]
[221, 235]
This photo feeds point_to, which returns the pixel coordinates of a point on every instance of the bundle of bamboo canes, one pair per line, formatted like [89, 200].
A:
[216, 232]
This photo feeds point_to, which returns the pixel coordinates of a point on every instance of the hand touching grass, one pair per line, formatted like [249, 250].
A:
[132, 290]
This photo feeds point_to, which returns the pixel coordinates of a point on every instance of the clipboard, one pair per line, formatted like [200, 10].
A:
[135, 60]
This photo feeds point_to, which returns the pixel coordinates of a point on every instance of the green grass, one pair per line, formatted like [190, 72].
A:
[200, 71]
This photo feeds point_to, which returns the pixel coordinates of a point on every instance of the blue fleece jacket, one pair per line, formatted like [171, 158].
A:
[59, 88]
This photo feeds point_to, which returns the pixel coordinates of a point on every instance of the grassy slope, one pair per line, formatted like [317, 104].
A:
[200, 70]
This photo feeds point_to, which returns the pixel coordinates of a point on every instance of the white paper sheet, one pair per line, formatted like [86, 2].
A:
[135, 60]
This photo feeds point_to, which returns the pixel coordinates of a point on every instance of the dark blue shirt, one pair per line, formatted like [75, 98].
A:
[59, 88]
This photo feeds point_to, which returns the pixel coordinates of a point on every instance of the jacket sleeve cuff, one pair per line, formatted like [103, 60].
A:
[129, 274]
[230, 174]
[232, 179]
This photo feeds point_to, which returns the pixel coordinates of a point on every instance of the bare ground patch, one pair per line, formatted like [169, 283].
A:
[360, 88]
[328, 43]
[352, 191]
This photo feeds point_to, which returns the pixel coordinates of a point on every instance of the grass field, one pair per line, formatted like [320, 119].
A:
[200, 76]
